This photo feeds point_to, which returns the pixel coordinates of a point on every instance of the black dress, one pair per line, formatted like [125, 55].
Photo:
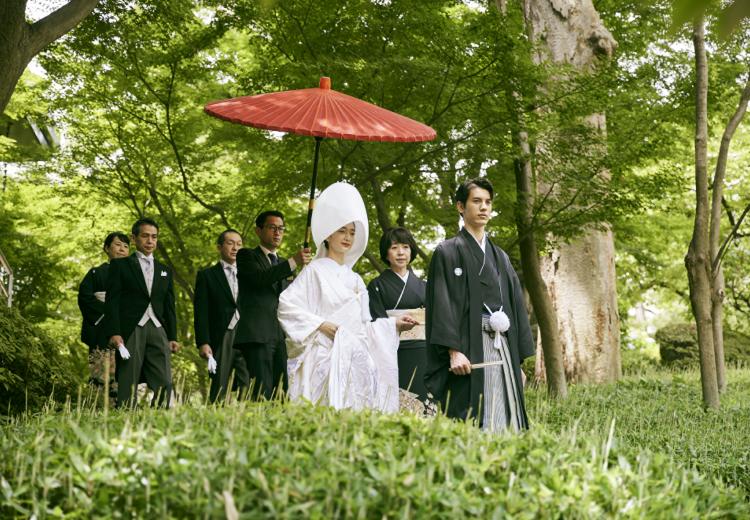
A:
[388, 292]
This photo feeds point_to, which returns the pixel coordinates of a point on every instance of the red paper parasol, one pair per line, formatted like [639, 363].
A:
[321, 113]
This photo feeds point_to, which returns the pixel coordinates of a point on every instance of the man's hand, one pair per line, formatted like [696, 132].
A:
[303, 256]
[329, 329]
[405, 322]
[460, 364]
[116, 341]
[174, 346]
[206, 351]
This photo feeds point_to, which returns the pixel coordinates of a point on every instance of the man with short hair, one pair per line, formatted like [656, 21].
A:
[140, 318]
[478, 330]
[216, 315]
[263, 275]
[91, 293]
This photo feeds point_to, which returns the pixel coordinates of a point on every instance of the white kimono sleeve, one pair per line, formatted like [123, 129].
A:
[383, 341]
[297, 305]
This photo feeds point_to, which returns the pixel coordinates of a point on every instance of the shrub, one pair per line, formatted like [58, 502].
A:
[660, 413]
[290, 461]
[32, 368]
[678, 346]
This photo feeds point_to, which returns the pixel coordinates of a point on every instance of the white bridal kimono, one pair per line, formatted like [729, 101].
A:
[358, 369]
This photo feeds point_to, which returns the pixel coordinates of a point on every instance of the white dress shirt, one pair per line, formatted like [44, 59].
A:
[230, 271]
[147, 268]
[292, 263]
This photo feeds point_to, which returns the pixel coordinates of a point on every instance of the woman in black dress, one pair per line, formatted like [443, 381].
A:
[399, 288]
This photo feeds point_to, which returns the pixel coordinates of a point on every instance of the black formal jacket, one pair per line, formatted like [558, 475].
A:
[454, 320]
[92, 309]
[213, 307]
[260, 285]
[127, 298]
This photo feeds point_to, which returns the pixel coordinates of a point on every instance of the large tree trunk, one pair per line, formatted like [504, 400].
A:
[717, 291]
[21, 41]
[532, 276]
[580, 275]
[698, 258]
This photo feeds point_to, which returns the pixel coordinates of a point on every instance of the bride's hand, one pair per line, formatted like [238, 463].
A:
[329, 329]
[405, 322]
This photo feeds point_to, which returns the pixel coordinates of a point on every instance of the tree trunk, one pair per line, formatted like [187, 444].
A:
[21, 41]
[532, 276]
[717, 290]
[580, 275]
[698, 258]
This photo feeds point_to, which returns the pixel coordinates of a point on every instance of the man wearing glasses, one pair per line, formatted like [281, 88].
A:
[262, 275]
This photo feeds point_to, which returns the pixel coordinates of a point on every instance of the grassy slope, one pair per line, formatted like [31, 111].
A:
[284, 461]
[661, 412]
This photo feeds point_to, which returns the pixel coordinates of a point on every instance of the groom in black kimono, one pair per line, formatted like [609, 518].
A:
[470, 278]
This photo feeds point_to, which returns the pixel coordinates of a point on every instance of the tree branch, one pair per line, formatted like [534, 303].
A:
[57, 23]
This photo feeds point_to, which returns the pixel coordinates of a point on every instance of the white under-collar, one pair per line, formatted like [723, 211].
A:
[404, 278]
[483, 243]
[144, 257]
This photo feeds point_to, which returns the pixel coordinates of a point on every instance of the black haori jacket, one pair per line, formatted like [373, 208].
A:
[454, 320]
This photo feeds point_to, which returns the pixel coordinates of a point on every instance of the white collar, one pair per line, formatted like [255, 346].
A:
[141, 256]
[226, 265]
[483, 243]
[267, 251]
[403, 278]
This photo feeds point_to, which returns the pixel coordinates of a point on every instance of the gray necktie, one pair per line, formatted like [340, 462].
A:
[149, 272]
[232, 272]
[273, 258]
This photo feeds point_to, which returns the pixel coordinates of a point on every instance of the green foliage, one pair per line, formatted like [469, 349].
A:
[678, 346]
[32, 368]
[658, 412]
[288, 461]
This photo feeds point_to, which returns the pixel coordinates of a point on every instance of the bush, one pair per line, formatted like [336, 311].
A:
[678, 346]
[661, 413]
[291, 461]
[32, 368]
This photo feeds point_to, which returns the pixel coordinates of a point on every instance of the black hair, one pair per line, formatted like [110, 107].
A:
[223, 235]
[260, 221]
[462, 193]
[143, 221]
[111, 238]
[397, 235]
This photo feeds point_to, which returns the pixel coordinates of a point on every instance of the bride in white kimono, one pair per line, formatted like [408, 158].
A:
[337, 355]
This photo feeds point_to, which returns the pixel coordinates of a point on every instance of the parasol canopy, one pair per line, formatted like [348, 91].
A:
[321, 113]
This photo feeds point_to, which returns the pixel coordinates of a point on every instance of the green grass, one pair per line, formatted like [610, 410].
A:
[661, 412]
[290, 461]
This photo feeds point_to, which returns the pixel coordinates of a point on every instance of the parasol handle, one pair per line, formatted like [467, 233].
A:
[311, 204]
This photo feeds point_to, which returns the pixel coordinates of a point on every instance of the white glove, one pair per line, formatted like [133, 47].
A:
[124, 354]
[100, 295]
[212, 364]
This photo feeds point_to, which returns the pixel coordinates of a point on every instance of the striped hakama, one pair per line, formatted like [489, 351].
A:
[501, 402]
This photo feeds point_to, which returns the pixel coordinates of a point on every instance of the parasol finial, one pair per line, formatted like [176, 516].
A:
[325, 83]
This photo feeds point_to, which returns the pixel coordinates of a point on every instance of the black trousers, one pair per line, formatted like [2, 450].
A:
[266, 368]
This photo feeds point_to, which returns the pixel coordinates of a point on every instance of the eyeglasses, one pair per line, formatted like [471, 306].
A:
[273, 228]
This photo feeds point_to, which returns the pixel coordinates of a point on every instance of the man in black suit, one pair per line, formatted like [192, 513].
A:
[91, 302]
[140, 318]
[263, 275]
[216, 316]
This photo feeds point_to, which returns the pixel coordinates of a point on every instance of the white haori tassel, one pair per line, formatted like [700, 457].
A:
[499, 321]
